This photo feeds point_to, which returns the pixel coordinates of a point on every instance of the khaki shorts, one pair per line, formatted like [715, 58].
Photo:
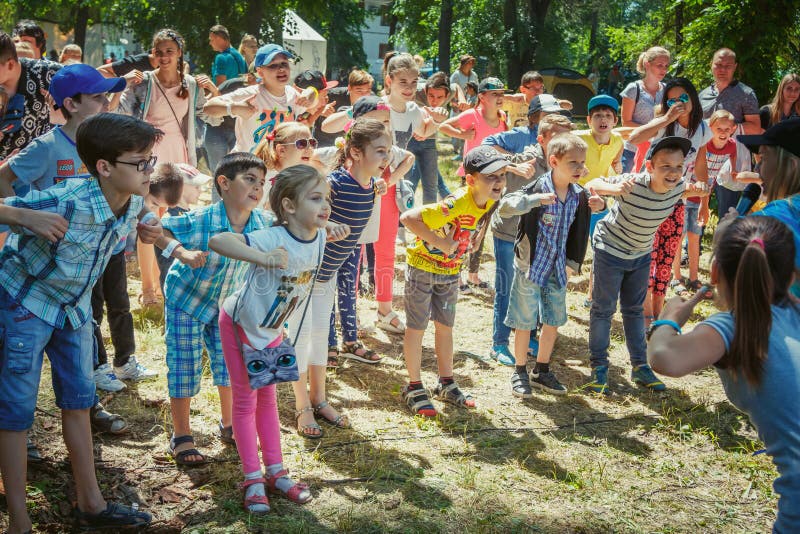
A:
[430, 296]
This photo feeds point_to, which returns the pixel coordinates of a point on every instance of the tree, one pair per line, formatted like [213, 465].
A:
[340, 22]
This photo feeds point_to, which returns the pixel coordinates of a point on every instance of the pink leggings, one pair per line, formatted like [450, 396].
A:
[384, 247]
[255, 413]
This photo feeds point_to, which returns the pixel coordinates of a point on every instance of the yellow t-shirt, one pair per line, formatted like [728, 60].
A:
[599, 157]
[458, 209]
[516, 113]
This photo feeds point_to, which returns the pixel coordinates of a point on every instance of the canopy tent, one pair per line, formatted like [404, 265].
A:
[566, 84]
[309, 47]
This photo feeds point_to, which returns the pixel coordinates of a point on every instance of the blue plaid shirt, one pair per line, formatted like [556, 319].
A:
[55, 281]
[551, 240]
[198, 292]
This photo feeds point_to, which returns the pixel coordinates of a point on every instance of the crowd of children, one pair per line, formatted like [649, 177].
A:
[253, 279]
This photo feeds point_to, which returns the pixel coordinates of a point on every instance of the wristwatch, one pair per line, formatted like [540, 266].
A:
[662, 322]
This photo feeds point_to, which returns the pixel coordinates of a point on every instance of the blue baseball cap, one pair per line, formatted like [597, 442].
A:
[603, 100]
[267, 53]
[83, 79]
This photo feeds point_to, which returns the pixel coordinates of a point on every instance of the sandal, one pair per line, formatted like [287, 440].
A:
[340, 421]
[148, 300]
[115, 515]
[697, 285]
[419, 402]
[303, 431]
[679, 288]
[333, 357]
[385, 323]
[105, 421]
[34, 456]
[225, 434]
[254, 499]
[180, 457]
[295, 493]
[451, 394]
[351, 351]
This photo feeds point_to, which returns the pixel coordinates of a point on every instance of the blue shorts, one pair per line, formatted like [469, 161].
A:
[24, 338]
[690, 219]
[528, 302]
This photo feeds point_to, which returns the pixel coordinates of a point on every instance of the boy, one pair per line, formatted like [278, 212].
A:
[445, 232]
[44, 307]
[551, 242]
[622, 244]
[196, 284]
[504, 230]
[514, 141]
[531, 86]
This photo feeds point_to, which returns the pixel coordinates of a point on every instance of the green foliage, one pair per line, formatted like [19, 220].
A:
[340, 22]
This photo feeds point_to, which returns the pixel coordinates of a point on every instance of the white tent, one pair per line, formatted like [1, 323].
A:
[309, 47]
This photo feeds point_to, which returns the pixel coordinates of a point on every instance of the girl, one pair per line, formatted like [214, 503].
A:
[754, 345]
[785, 104]
[683, 117]
[248, 48]
[290, 143]
[640, 98]
[171, 101]
[353, 193]
[299, 199]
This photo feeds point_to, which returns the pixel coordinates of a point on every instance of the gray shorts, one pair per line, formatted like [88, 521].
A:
[430, 296]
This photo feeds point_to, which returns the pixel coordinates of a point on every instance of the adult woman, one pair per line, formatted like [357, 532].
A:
[785, 104]
[640, 98]
[248, 48]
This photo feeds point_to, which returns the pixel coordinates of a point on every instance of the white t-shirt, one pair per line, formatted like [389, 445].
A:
[404, 124]
[270, 296]
[271, 110]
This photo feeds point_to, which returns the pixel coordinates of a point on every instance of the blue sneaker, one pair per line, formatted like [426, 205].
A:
[644, 376]
[533, 347]
[502, 355]
[599, 383]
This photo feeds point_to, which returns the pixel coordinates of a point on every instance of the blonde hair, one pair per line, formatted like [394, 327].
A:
[649, 55]
[550, 122]
[247, 40]
[70, 49]
[786, 181]
[565, 142]
[285, 132]
[291, 183]
[776, 106]
[723, 52]
[721, 114]
[359, 77]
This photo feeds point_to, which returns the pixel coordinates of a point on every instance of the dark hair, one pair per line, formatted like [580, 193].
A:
[8, 50]
[754, 256]
[531, 76]
[167, 182]
[236, 163]
[28, 28]
[438, 80]
[696, 116]
[220, 31]
[171, 35]
[108, 135]
[65, 112]
[602, 108]
[289, 183]
[360, 135]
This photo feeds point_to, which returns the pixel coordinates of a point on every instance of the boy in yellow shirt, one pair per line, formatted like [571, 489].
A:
[445, 232]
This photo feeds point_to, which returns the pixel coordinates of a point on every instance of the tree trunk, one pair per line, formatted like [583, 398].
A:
[592, 42]
[538, 13]
[81, 22]
[678, 25]
[445, 27]
[255, 19]
[513, 67]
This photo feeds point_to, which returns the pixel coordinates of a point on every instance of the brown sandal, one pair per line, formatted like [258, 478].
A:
[303, 431]
[356, 351]
[333, 357]
[340, 421]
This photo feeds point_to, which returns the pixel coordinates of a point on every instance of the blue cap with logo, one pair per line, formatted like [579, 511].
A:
[267, 53]
[81, 79]
[603, 100]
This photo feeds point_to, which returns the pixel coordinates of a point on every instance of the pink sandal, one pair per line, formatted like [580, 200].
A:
[254, 499]
[293, 494]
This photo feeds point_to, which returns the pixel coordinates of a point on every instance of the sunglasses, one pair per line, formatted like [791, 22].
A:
[141, 165]
[275, 66]
[302, 144]
[684, 98]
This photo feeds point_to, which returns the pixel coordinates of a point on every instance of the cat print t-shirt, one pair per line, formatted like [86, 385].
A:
[404, 124]
[270, 296]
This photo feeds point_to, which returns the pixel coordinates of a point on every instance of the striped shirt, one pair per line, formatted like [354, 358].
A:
[627, 231]
[55, 281]
[551, 240]
[351, 204]
[198, 292]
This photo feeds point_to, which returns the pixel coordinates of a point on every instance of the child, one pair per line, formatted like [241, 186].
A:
[194, 286]
[445, 232]
[44, 305]
[518, 110]
[622, 244]
[504, 229]
[514, 141]
[284, 259]
[754, 346]
[290, 143]
[554, 232]
[354, 191]
[259, 109]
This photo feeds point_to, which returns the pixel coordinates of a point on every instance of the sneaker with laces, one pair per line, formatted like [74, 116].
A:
[105, 379]
[548, 382]
[520, 385]
[644, 376]
[502, 355]
[599, 383]
[135, 371]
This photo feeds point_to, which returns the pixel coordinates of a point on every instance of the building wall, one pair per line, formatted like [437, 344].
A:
[376, 34]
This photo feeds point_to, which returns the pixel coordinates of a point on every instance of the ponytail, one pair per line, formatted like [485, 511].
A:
[359, 136]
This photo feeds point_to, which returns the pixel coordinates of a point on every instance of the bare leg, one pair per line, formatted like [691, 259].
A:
[694, 255]
[147, 260]
[522, 339]
[301, 401]
[14, 466]
[78, 438]
[225, 404]
[179, 406]
[547, 339]
[412, 352]
[443, 343]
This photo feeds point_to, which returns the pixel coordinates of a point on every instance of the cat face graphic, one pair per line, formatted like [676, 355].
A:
[270, 365]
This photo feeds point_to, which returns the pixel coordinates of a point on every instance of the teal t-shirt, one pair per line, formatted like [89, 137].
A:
[228, 63]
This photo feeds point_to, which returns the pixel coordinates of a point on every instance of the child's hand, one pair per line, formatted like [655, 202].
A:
[596, 202]
[192, 258]
[276, 258]
[461, 106]
[623, 188]
[329, 109]
[525, 170]
[50, 226]
[679, 310]
[544, 199]
[149, 230]
[381, 187]
[698, 189]
[306, 98]
[134, 77]
[244, 109]
[702, 215]
[747, 177]
[337, 232]
[448, 244]
[468, 135]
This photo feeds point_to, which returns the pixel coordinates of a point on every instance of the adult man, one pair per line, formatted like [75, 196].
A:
[228, 63]
[730, 94]
[462, 77]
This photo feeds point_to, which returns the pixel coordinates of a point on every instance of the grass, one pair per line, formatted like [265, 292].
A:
[681, 461]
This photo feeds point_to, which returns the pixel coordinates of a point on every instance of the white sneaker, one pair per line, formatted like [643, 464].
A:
[105, 379]
[135, 371]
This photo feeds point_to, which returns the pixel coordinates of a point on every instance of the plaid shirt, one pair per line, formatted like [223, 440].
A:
[551, 241]
[198, 292]
[55, 281]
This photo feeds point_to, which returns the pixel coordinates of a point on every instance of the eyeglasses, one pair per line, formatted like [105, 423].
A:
[275, 66]
[302, 144]
[684, 98]
[141, 165]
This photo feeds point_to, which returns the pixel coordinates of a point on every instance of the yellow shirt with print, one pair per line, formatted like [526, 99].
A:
[516, 113]
[458, 209]
[599, 157]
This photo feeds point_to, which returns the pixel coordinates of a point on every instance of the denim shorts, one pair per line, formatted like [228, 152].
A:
[430, 296]
[24, 338]
[528, 302]
[690, 219]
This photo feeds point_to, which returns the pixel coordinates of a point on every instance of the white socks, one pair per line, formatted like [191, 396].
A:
[256, 489]
[284, 483]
